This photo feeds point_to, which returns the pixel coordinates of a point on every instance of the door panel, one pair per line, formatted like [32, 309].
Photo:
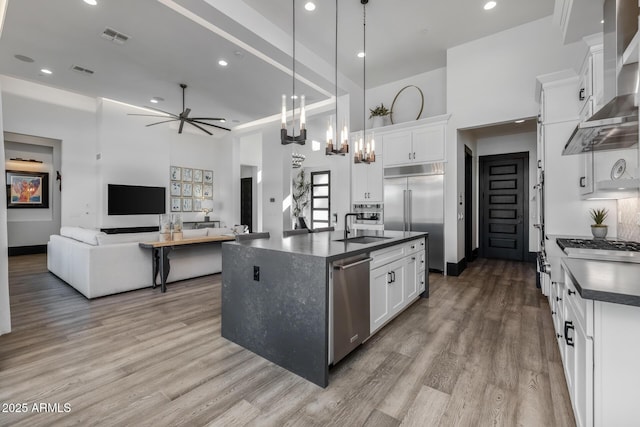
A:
[246, 202]
[503, 202]
[394, 203]
[427, 214]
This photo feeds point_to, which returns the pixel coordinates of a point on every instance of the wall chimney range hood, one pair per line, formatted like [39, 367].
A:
[615, 125]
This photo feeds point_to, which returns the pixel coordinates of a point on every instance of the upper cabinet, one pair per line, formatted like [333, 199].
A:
[415, 142]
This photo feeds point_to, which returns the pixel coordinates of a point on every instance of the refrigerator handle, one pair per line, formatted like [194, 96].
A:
[410, 207]
[404, 208]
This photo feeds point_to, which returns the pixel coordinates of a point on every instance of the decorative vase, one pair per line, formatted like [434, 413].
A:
[599, 231]
[377, 121]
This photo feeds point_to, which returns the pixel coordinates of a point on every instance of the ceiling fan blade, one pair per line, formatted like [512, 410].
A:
[217, 119]
[209, 124]
[185, 113]
[199, 127]
[162, 111]
[181, 126]
[149, 115]
[164, 121]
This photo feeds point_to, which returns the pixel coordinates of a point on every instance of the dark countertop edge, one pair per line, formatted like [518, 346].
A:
[612, 297]
[365, 248]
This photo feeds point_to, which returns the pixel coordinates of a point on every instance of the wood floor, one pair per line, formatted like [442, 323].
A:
[481, 351]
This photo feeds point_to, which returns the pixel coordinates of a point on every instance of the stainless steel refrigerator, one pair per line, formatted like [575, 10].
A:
[416, 203]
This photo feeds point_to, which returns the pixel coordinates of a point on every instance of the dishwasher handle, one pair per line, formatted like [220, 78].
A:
[345, 267]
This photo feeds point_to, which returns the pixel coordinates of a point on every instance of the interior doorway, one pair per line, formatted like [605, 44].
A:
[246, 202]
[468, 204]
[503, 206]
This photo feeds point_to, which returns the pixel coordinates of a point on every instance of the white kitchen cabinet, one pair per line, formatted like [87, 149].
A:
[601, 352]
[367, 182]
[421, 144]
[397, 278]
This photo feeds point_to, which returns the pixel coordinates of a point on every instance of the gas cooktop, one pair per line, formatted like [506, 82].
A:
[600, 249]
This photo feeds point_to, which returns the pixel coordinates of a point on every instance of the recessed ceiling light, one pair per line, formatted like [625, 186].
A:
[602, 21]
[91, 2]
[156, 99]
[361, 54]
[490, 5]
[153, 101]
[310, 6]
[223, 63]
[520, 121]
[46, 71]
[222, 120]
[23, 58]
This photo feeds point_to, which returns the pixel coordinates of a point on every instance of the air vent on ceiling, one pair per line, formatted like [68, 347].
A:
[81, 70]
[114, 36]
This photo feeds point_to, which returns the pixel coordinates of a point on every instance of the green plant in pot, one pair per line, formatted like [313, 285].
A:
[300, 196]
[378, 114]
[598, 228]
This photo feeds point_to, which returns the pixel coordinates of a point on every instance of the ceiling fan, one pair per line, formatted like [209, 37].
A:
[183, 117]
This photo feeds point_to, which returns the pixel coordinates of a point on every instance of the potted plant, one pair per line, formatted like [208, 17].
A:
[598, 229]
[378, 114]
[300, 197]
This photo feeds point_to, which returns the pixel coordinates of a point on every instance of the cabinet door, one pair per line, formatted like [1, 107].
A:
[397, 149]
[379, 298]
[583, 378]
[359, 180]
[428, 144]
[396, 287]
[374, 181]
[411, 278]
[421, 282]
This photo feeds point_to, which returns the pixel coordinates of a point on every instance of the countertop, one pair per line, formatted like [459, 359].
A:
[324, 244]
[609, 281]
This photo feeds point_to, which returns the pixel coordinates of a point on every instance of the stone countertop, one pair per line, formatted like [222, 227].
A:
[325, 244]
[616, 282]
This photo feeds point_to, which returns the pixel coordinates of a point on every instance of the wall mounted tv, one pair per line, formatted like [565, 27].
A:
[135, 200]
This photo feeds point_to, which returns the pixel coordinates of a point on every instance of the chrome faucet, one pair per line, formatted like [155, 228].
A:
[346, 224]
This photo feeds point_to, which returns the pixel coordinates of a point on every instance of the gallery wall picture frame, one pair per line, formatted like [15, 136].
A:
[207, 191]
[208, 177]
[197, 190]
[187, 189]
[187, 205]
[197, 175]
[187, 174]
[175, 173]
[176, 204]
[27, 189]
[197, 205]
[176, 188]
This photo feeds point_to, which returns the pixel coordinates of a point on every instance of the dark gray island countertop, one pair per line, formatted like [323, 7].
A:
[609, 281]
[326, 244]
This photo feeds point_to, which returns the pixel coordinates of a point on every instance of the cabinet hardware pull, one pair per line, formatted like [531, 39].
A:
[413, 258]
[553, 313]
[581, 94]
[558, 299]
[409, 156]
[393, 277]
[413, 246]
[389, 277]
[583, 181]
[568, 325]
[571, 292]
[539, 164]
[414, 155]
[558, 336]
[348, 266]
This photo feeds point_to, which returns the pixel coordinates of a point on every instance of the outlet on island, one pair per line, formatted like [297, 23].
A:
[256, 273]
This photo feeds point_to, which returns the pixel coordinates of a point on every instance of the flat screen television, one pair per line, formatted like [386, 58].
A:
[135, 200]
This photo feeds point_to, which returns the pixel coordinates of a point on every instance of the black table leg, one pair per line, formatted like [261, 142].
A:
[155, 261]
[164, 266]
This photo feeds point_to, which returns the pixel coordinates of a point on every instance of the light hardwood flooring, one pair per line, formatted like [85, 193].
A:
[480, 351]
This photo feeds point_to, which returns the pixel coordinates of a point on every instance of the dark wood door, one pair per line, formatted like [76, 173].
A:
[468, 204]
[504, 206]
[246, 202]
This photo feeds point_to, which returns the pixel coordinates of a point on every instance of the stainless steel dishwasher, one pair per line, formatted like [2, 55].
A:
[350, 304]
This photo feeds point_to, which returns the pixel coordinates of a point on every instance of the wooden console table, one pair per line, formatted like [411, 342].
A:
[160, 254]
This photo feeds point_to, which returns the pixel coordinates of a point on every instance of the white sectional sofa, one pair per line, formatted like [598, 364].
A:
[98, 264]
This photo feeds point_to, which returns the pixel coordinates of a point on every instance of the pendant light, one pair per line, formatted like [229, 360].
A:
[365, 146]
[341, 146]
[285, 138]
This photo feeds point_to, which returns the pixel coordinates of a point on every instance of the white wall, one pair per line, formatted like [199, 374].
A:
[5, 313]
[433, 85]
[493, 80]
[514, 143]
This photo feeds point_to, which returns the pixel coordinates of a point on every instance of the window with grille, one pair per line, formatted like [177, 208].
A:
[320, 199]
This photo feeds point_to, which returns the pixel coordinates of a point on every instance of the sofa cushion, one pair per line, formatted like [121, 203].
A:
[80, 234]
[219, 231]
[189, 234]
[110, 239]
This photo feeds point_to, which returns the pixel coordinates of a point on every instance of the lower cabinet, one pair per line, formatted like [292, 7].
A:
[395, 284]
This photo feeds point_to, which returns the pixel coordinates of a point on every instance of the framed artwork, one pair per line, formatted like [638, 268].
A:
[208, 177]
[176, 189]
[197, 175]
[187, 189]
[175, 173]
[197, 205]
[197, 190]
[27, 189]
[187, 174]
[207, 191]
[187, 205]
[176, 204]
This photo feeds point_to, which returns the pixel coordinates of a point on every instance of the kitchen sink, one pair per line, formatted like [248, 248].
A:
[363, 239]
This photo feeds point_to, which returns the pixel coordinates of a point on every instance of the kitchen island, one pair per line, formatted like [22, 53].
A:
[277, 293]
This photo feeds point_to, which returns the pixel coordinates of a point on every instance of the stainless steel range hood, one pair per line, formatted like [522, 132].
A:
[615, 126]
